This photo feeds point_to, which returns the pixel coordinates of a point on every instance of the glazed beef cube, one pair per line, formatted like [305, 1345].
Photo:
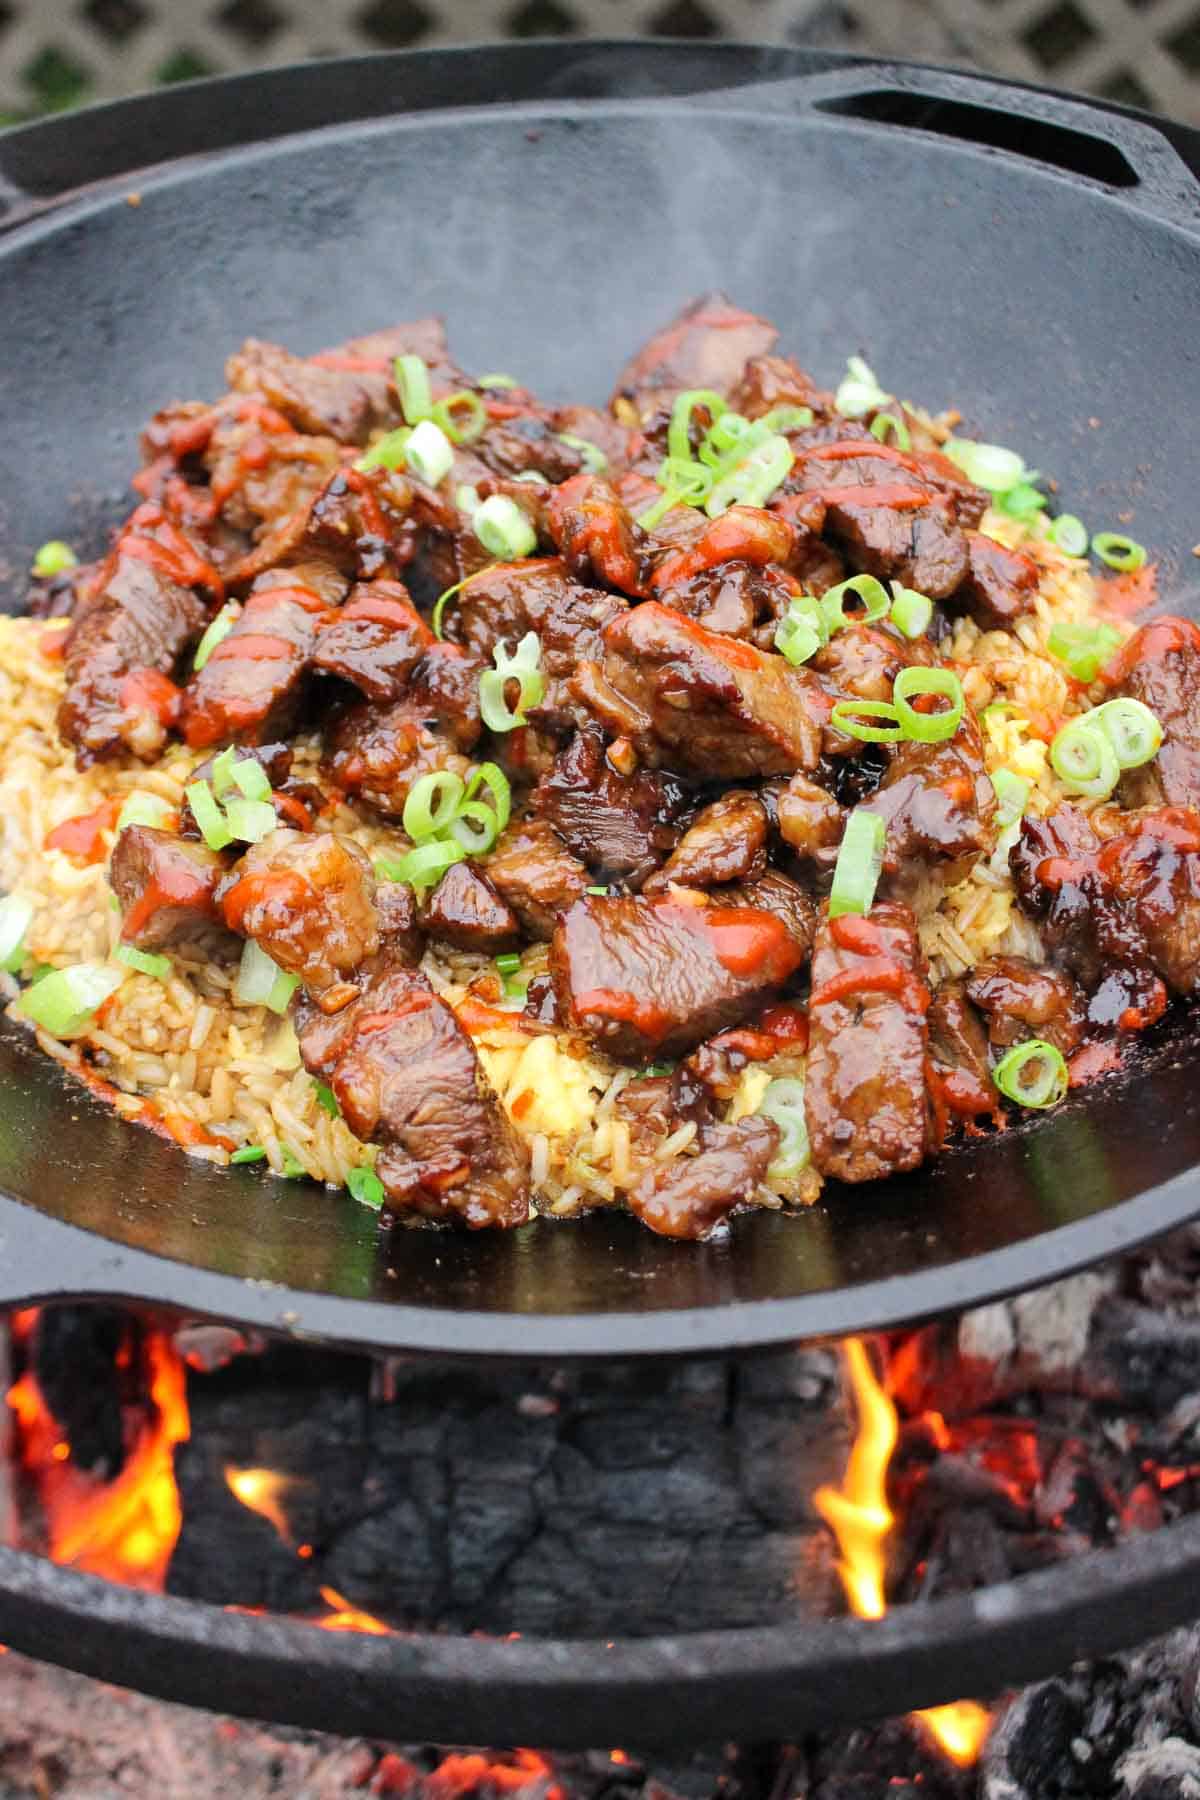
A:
[913, 541]
[770, 381]
[961, 1074]
[407, 1078]
[811, 821]
[1020, 1000]
[401, 939]
[1001, 584]
[649, 978]
[527, 444]
[864, 1095]
[938, 804]
[445, 690]
[701, 703]
[1160, 666]
[308, 900]
[534, 871]
[262, 474]
[167, 888]
[316, 399]
[465, 910]
[737, 599]
[689, 1197]
[252, 686]
[1153, 870]
[600, 541]
[599, 428]
[707, 346]
[784, 898]
[728, 842]
[374, 641]
[621, 826]
[377, 752]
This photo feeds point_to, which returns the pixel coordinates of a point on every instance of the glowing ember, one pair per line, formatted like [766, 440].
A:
[344, 1617]
[860, 1518]
[261, 1490]
[124, 1529]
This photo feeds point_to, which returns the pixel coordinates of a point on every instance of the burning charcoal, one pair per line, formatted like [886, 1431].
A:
[75, 1362]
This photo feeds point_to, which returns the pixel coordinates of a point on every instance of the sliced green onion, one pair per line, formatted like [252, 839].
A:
[432, 803]
[788, 418]
[504, 529]
[679, 443]
[462, 416]
[221, 775]
[16, 916]
[212, 823]
[911, 610]
[493, 778]
[848, 716]
[467, 500]
[293, 1168]
[1083, 758]
[494, 380]
[1083, 648]
[251, 820]
[144, 961]
[412, 385]
[1135, 733]
[366, 1187]
[1119, 551]
[53, 558]
[249, 1153]
[987, 465]
[929, 727]
[1012, 796]
[754, 479]
[729, 434]
[425, 866]
[144, 809]
[522, 668]
[691, 482]
[439, 605]
[219, 628]
[802, 630]
[859, 392]
[250, 778]
[1022, 502]
[63, 1001]
[659, 510]
[886, 424]
[594, 459]
[327, 1099]
[509, 963]
[859, 863]
[390, 452]
[667, 1067]
[872, 593]
[1069, 534]
[261, 982]
[1032, 1074]
[783, 1103]
[430, 454]
[475, 827]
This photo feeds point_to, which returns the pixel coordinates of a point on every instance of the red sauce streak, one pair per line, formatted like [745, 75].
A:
[786, 1024]
[747, 534]
[380, 1021]
[267, 888]
[881, 493]
[851, 932]
[1057, 871]
[176, 886]
[84, 836]
[755, 1046]
[170, 553]
[748, 942]
[350, 364]
[370, 511]
[252, 646]
[265, 598]
[149, 691]
[505, 409]
[1158, 639]
[612, 1003]
[476, 1016]
[874, 975]
[847, 449]
[730, 650]
[378, 609]
[53, 644]
[1092, 1061]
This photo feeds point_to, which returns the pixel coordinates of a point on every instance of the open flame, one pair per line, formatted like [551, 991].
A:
[860, 1518]
[262, 1490]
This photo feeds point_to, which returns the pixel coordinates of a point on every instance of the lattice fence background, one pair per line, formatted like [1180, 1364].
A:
[54, 53]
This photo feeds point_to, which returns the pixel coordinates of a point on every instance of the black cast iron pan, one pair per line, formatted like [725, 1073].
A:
[1033, 260]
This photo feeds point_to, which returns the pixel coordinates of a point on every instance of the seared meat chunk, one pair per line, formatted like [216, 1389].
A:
[700, 703]
[374, 641]
[275, 761]
[960, 1075]
[728, 842]
[811, 822]
[620, 825]
[610, 438]
[166, 886]
[770, 381]
[308, 900]
[465, 910]
[748, 534]
[1160, 666]
[863, 663]
[779, 895]
[401, 939]
[864, 1096]
[252, 686]
[527, 444]
[445, 690]
[688, 1197]
[1061, 882]
[378, 752]
[938, 803]
[599, 540]
[122, 650]
[738, 599]
[407, 1078]
[1001, 584]
[911, 539]
[537, 875]
[651, 977]
[1153, 870]
[315, 398]
[1021, 1000]
[707, 346]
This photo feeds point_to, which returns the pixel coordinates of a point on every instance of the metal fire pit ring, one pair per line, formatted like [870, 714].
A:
[558, 1694]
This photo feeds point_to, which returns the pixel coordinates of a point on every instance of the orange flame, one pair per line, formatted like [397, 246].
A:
[860, 1518]
[345, 1617]
[261, 1490]
[125, 1529]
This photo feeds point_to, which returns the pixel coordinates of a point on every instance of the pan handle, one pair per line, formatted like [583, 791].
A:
[1128, 155]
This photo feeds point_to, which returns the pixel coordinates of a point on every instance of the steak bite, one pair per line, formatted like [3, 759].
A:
[864, 1097]
[374, 641]
[1160, 666]
[700, 703]
[960, 1077]
[776, 893]
[598, 538]
[335, 401]
[727, 842]
[1001, 584]
[1021, 1000]
[707, 346]
[377, 753]
[938, 805]
[690, 1196]
[621, 826]
[648, 978]
[166, 886]
[308, 900]
[465, 910]
[534, 871]
[407, 1078]
[1153, 870]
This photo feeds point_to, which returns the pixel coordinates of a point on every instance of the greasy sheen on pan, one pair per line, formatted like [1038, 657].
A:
[486, 805]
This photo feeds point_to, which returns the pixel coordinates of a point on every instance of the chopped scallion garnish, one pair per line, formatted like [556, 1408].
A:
[63, 1001]
[250, 778]
[1118, 551]
[872, 593]
[249, 1153]
[802, 630]
[1032, 1074]
[366, 1187]
[987, 465]
[871, 721]
[429, 454]
[462, 416]
[679, 442]
[1012, 796]
[144, 809]
[911, 611]
[250, 821]
[144, 961]
[389, 452]
[1135, 733]
[219, 629]
[16, 916]
[1068, 533]
[859, 864]
[425, 865]
[54, 558]
[261, 982]
[509, 963]
[1022, 502]
[494, 380]
[524, 668]
[594, 459]
[211, 821]
[412, 385]
[432, 804]
[327, 1099]
[929, 727]
[1084, 760]
[887, 424]
[753, 479]
[502, 527]
[783, 1104]
[788, 418]
[859, 392]
[1083, 648]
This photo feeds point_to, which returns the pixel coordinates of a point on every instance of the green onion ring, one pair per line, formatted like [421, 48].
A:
[219, 628]
[491, 776]
[679, 441]
[783, 1104]
[144, 961]
[1069, 534]
[1084, 760]
[427, 863]
[594, 459]
[461, 430]
[1119, 551]
[788, 418]
[1133, 730]
[16, 916]
[211, 821]
[866, 588]
[54, 558]
[412, 384]
[859, 864]
[886, 424]
[1048, 1085]
[847, 717]
[365, 1186]
[431, 804]
[931, 727]
[911, 610]
[1083, 648]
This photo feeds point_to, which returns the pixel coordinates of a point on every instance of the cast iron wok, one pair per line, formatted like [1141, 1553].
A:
[1030, 259]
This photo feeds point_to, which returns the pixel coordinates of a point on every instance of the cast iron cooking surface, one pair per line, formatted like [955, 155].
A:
[1054, 306]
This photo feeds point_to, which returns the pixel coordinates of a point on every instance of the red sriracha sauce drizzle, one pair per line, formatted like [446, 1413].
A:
[614, 1003]
[150, 691]
[877, 973]
[270, 887]
[84, 836]
[176, 885]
